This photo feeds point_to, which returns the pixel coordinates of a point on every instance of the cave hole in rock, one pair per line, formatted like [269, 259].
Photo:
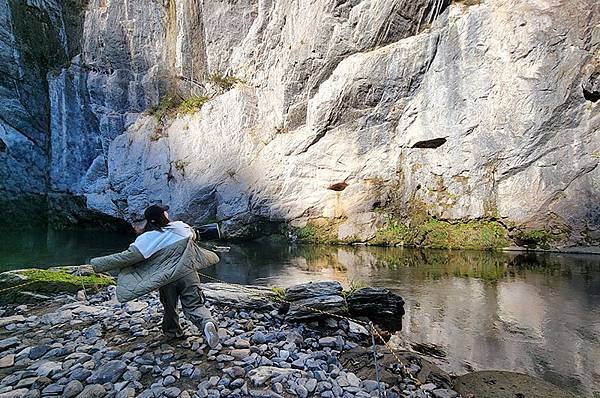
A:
[338, 186]
[430, 144]
[2, 146]
[591, 95]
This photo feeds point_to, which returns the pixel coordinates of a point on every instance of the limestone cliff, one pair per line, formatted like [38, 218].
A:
[350, 120]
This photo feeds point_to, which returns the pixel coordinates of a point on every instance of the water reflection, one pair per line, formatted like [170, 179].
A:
[533, 313]
[44, 248]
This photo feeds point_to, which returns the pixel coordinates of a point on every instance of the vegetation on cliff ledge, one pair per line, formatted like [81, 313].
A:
[431, 233]
[171, 105]
[437, 234]
[319, 231]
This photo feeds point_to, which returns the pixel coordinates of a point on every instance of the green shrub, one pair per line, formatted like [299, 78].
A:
[171, 105]
[225, 83]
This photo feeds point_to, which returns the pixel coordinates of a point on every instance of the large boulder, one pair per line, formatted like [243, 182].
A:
[379, 305]
[313, 299]
[313, 289]
[316, 307]
[250, 297]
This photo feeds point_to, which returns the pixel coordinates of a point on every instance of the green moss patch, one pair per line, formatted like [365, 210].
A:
[419, 232]
[395, 233]
[51, 282]
[474, 234]
[319, 231]
[436, 234]
[64, 281]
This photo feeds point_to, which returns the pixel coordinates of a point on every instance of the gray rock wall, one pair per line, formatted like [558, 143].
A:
[354, 111]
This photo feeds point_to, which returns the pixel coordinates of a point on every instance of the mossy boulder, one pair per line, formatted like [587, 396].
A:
[17, 286]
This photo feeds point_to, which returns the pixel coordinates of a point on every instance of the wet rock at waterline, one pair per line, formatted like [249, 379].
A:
[507, 385]
[378, 304]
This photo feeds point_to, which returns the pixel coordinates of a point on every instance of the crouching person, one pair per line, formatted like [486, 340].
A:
[165, 257]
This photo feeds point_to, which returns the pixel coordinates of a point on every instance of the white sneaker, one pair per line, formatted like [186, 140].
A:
[211, 334]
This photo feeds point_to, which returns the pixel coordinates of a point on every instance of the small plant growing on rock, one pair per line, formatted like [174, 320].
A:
[224, 83]
[164, 106]
[467, 3]
[172, 105]
[192, 104]
[279, 293]
[354, 286]
[180, 165]
[281, 130]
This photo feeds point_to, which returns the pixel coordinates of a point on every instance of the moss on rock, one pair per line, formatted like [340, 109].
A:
[49, 281]
[438, 234]
[430, 233]
[319, 231]
[472, 234]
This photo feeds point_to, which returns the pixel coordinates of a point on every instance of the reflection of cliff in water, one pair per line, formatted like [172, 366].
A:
[426, 264]
[46, 247]
[537, 313]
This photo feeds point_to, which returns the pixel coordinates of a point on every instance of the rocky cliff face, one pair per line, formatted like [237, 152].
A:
[360, 120]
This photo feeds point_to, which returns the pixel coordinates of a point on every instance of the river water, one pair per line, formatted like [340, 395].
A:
[532, 313]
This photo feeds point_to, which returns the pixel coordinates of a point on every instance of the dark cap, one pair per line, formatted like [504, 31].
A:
[154, 213]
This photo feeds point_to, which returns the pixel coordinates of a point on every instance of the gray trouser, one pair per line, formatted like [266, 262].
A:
[188, 291]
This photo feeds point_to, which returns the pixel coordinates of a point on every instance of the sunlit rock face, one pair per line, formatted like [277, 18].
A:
[345, 110]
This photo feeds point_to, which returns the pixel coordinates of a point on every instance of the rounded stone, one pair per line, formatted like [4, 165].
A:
[72, 389]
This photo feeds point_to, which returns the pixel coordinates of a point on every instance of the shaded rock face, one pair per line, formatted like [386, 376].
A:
[352, 111]
[34, 39]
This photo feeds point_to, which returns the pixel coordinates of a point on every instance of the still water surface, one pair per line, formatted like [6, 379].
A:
[533, 313]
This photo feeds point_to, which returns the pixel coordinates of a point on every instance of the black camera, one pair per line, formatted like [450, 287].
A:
[209, 232]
